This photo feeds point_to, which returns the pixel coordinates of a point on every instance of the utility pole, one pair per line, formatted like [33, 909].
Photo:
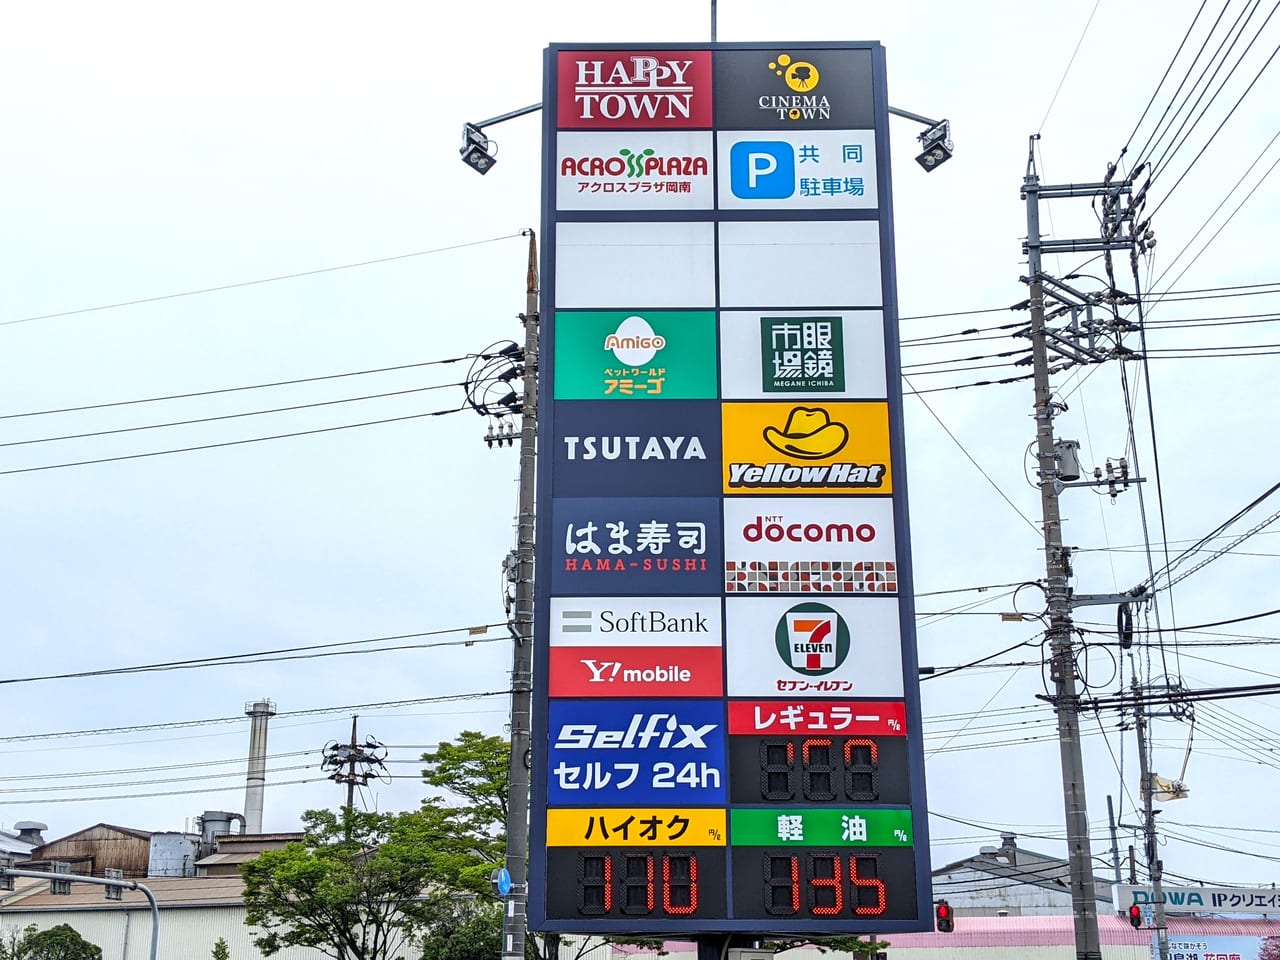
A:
[521, 625]
[1154, 867]
[1084, 901]
[343, 758]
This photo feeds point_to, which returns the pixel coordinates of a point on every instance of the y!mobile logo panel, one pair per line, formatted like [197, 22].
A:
[794, 89]
[633, 89]
[802, 545]
[668, 170]
[813, 448]
[626, 355]
[636, 647]
[818, 170]
[828, 647]
[627, 752]
[610, 546]
[835, 354]
[643, 449]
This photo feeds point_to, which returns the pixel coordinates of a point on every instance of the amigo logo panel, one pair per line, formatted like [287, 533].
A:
[635, 355]
[636, 171]
[641, 449]
[815, 648]
[809, 545]
[634, 88]
[607, 546]
[806, 448]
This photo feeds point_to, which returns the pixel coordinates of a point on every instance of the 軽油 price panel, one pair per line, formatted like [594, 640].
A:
[835, 889]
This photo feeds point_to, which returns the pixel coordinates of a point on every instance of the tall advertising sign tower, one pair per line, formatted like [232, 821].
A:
[726, 711]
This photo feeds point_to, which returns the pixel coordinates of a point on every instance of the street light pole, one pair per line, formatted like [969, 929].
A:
[102, 882]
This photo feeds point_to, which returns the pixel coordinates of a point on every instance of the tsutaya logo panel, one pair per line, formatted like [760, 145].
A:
[637, 449]
[815, 647]
[809, 545]
[667, 170]
[814, 170]
[806, 448]
[776, 354]
[606, 546]
[633, 88]
[628, 355]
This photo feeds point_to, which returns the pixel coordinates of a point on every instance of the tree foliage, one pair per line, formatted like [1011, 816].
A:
[357, 887]
[62, 942]
[475, 770]
[220, 950]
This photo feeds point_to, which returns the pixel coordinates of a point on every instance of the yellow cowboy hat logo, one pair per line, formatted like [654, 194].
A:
[808, 435]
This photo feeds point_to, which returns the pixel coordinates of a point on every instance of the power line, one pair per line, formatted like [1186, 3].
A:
[251, 283]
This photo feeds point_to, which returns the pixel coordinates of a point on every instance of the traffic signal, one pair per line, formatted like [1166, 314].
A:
[1135, 916]
[944, 919]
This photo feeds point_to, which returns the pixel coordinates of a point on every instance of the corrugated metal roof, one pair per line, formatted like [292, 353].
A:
[168, 891]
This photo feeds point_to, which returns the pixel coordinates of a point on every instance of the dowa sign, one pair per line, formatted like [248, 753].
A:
[726, 710]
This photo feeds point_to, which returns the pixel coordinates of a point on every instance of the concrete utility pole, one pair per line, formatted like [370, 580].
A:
[1084, 900]
[1154, 866]
[514, 917]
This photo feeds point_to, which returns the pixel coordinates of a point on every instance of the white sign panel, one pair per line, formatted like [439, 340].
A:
[640, 170]
[822, 545]
[816, 647]
[809, 170]
[772, 355]
[635, 621]
[1177, 899]
[800, 264]
[630, 265]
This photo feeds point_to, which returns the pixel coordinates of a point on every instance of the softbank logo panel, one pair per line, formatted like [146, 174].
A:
[634, 88]
[636, 647]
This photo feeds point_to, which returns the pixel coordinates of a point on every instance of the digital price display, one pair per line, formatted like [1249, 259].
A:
[818, 769]
[649, 888]
[824, 883]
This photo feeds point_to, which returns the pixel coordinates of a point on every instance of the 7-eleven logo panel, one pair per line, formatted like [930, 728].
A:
[837, 647]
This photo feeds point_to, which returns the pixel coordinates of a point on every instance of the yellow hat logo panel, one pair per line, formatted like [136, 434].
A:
[828, 448]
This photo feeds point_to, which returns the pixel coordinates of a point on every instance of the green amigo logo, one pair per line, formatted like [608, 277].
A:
[812, 639]
[628, 355]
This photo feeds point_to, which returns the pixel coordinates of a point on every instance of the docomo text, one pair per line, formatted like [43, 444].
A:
[775, 530]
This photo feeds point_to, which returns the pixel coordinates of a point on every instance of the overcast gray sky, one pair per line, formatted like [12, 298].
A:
[154, 149]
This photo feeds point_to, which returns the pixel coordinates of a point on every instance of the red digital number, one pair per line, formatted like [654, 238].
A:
[868, 883]
[826, 894]
[828, 889]
[635, 877]
[679, 884]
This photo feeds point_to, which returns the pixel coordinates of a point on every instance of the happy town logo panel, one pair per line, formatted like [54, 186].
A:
[633, 89]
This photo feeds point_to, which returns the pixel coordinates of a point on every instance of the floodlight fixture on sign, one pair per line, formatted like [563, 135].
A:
[477, 150]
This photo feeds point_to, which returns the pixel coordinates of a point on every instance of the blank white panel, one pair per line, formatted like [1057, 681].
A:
[800, 264]
[625, 265]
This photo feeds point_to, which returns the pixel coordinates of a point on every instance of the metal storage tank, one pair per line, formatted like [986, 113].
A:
[173, 855]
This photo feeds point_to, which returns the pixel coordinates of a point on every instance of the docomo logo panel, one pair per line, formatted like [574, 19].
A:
[778, 717]
[635, 622]
[621, 752]
[814, 448]
[636, 672]
[810, 545]
[634, 88]
[826, 648]
[654, 170]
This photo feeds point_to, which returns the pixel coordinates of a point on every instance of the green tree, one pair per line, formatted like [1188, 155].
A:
[357, 887]
[475, 770]
[62, 942]
[220, 950]
[471, 932]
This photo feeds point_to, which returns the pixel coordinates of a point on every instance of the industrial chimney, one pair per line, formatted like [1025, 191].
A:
[259, 712]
